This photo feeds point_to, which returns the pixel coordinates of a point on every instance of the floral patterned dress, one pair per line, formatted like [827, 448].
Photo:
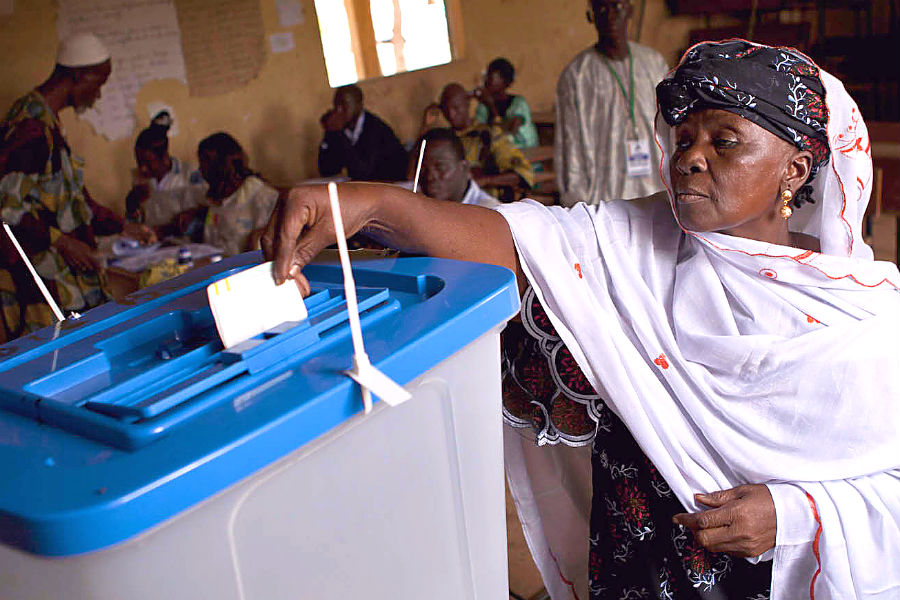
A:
[636, 551]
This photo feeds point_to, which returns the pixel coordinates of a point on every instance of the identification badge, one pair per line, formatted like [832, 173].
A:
[637, 158]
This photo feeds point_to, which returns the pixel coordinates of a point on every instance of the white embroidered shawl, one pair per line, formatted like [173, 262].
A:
[736, 361]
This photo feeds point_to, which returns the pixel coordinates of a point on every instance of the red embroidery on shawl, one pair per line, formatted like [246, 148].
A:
[852, 142]
[850, 276]
[805, 255]
[812, 584]
[810, 319]
[768, 273]
[563, 577]
[578, 270]
[661, 361]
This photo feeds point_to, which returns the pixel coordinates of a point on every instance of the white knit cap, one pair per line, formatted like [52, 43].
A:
[81, 50]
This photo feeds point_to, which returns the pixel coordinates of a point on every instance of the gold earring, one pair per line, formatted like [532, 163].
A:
[786, 210]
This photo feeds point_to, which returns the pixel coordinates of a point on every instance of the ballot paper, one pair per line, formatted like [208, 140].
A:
[248, 303]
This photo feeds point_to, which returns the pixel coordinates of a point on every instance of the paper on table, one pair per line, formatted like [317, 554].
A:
[138, 262]
[248, 303]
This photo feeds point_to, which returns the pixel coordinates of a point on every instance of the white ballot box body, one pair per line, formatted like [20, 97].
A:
[142, 460]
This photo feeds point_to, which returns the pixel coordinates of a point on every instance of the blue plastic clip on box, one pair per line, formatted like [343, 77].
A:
[141, 460]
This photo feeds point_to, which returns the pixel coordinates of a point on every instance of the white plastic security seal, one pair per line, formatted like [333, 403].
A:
[419, 166]
[370, 379]
[37, 279]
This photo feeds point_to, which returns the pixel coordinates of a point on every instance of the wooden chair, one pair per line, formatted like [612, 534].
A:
[884, 138]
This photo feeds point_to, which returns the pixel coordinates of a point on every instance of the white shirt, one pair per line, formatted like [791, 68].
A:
[353, 134]
[477, 196]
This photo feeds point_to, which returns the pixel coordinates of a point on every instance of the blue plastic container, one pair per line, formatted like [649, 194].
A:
[152, 463]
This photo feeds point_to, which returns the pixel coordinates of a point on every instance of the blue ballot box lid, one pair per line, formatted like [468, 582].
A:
[117, 421]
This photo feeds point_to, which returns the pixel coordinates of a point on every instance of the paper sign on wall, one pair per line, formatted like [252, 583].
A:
[224, 48]
[290, 13]
[145, 43]
[281, 42]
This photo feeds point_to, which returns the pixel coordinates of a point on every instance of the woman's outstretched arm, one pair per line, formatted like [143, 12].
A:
[301, 226]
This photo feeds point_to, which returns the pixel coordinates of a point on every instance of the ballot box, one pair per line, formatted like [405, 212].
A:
[142, 460]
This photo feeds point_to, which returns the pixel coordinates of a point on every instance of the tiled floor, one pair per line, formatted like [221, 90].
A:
[524, 579]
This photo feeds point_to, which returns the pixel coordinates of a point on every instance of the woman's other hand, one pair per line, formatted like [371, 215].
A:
[139, 232]
[78, 255]
[740, 521]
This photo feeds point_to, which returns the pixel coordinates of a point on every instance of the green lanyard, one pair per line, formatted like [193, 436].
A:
[629, 97]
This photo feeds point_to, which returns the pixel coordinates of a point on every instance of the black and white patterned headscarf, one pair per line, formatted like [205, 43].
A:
[778, 89]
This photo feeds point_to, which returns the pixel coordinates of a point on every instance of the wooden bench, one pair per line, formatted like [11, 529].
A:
[541, 157]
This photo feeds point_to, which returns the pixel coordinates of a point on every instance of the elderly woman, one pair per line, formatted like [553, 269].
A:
[741, 336]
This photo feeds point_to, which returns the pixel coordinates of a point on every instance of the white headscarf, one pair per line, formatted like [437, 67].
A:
[736, 361]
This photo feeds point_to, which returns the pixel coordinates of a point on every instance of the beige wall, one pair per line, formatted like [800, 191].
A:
[275, 117]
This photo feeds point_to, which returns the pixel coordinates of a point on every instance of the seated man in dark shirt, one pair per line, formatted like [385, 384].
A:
[359, 141]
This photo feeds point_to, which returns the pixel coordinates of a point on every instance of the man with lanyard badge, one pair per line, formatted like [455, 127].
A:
[604, 130]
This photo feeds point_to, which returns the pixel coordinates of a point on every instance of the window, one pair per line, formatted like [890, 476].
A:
[362, 39]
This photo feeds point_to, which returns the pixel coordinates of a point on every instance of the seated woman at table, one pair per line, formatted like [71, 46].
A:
[240, 202]
[730, 341]
[510, 111]
[163, 185]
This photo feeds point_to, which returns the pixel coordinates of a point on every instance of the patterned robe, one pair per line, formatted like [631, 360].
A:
[42, 197]
[492, 150]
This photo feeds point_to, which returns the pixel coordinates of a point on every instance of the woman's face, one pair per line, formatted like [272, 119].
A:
[150, 165]
[494, 84]
[727, 174]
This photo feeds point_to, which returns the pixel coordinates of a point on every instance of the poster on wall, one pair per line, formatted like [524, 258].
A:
[290, 12]
[145, 43]
[224, 44]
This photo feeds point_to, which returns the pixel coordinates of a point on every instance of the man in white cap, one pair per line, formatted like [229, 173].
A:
[43, 198]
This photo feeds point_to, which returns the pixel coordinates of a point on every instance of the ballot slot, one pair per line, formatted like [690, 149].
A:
[131, 363]
[132, 387]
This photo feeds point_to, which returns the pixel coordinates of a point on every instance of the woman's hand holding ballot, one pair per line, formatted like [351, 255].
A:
[301, 227]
